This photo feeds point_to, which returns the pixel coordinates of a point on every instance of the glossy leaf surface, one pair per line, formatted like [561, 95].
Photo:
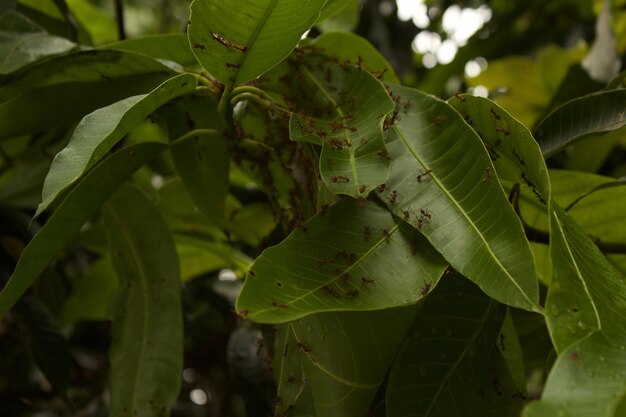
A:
[99, 131]
[348, 258]
[346, 111]
[78, 206]
[440, 184]
[23, 42]
[595, 113]
[146, 351]
[236, 41]
[447, 364]
[64, 89]
[170, 46]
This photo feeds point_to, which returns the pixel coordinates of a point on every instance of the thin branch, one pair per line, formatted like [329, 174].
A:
[539, 236]
[119, 18]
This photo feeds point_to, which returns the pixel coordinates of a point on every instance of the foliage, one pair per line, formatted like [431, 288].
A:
[386, 252]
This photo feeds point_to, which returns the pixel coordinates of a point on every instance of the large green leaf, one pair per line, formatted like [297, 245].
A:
[448, 365]
[345, 108]
[61, 90]
[146, 351]
[441, 183]
[78, 206]
[619, 182]
[23, 42]
[348, 258]
[236, 41]
[345, 356]
[595, 113]
[513, 151]
[586, 293]
[99, 131]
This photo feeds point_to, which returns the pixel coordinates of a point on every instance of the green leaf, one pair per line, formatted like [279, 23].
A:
[352, 49]
[587, 293]
[349, 258]
[346, 356]
[99, 131]
[620, 182]
[440, 183]
[146, 352]
[345, 20]
[595, 113]
[345, 107]
[504, 136]
[447, 364]
[78, 206]
[169, 46]
[587, 380]
[236, 41]
[23, 42]
[61, 90]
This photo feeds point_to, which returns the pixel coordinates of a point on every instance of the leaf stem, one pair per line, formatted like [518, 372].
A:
[194, 134]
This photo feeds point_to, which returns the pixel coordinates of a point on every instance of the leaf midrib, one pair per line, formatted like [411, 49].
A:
[460, 209]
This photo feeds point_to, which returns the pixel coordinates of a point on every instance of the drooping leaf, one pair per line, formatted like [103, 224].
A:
[348, 258]
[236, 41]
[146, 351]
[587, 380]
[77, 207]
[169, 46]
[508, 344]
[504, 136]
[350, 48]
[99, 131]
[345, 20]
[345, 108]
[64, 89]
[595, 113]
[23, 42]
[448, 365]
[346, 356]
[587, 294]
[440, 183]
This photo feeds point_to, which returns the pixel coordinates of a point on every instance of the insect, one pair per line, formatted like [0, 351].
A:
[198, 46]
[367, 280]
[303, 347]
[494, 113]
[362, 189]
[488, 174]
[228, 43]
[413, 247]
[352, 293]
[425, 289]
[367, 232]
[244, 313]
[229, 65]
[457, 95]
[425, 213]
[381, 188]
[423, 174]
[345, 278]
[279, 305]
[339, 179]
[436, 121]
[384, 154]
[386, 234]
[406, 214]
[393, 196]
[502, 130]
[390, 121]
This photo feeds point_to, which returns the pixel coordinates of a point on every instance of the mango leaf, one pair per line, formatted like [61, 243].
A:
[146, 351]
[236, 41]
[350, 48]
[346, 356]
[587, 380]
[447, 365]
[99, 131]
[351, 258]
[332, 8]
[23, 42]
[61, 90]
[442, 183]
[587, 293]
[345, 108]
[595, 113]
[508, 344]
[168, 46]
[78, 206]
[504, 136]
[346, 20]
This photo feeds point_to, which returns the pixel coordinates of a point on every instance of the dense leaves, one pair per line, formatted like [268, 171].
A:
[345, 245]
